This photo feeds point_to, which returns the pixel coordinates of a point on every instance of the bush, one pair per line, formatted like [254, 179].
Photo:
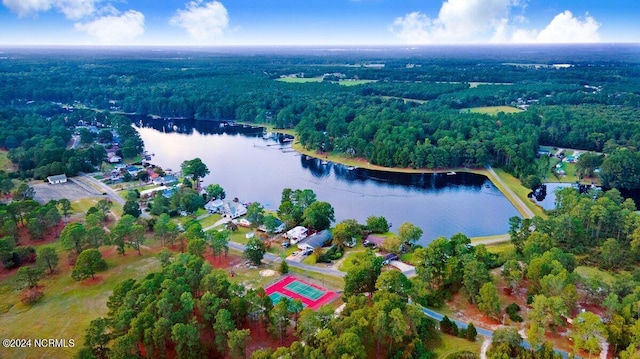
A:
[334, 253]
[512, 310]
[31, 295]
[284, 267]
[26, 254]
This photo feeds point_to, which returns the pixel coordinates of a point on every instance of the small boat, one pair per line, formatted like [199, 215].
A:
[451, 173]
[324, 162]
[351, 168]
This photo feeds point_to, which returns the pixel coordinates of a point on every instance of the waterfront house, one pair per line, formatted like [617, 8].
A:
[316, 240]
[234, 209]
[169, 180]
[57, 179]
[115, 159]
[215, 206]
[296, 234]
[133, 170]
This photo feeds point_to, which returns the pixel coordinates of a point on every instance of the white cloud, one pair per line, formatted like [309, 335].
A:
[566, 28]
[457, 21]
[72, 9]
[469, 21]
[202, 20]
[114, 29]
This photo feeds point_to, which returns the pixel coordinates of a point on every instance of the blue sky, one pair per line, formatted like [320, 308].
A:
[316, 22]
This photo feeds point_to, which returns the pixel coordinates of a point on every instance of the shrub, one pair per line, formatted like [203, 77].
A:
[471, 333]
[284, 267]
[31, 295]
[512, 310]
[26, 254]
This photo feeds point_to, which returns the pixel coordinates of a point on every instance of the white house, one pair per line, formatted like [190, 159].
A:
[57, 179]
[215, 206]
[152, 191]
[296, 234]
[234, 209]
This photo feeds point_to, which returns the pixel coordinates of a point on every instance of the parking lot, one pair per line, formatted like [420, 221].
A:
[70, 190]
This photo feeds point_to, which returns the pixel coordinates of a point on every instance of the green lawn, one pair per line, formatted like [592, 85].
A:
[348, 263]
[5, 163]
[590, 272]
[569, 169]
[67, 307]
[328, 281]
[355, 82]
[299, 80]
[210, 220]
[503, 249]
[492, 110]
[451, 344]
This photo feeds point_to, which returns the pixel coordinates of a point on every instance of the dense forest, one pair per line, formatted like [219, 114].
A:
[590, 104]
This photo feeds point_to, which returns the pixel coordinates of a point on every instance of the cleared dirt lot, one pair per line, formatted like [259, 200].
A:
[72, 190]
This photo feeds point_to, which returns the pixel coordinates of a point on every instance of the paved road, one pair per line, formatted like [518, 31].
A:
[88, 180]
[517, 202]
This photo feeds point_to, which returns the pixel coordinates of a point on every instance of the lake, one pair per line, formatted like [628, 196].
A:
[255, 169]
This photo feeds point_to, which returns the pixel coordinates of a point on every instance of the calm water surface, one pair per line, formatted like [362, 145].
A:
[256, 170]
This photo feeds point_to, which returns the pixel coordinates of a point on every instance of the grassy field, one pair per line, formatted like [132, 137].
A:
[451, 344]
[354, 82]
[327, 281]
[347, 262]
[67, 307]
[5, 163]
[492, 110]
[210, 220]
[299, 80]
[591, 272]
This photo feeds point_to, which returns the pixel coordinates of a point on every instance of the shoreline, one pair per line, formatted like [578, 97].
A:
[511, 194]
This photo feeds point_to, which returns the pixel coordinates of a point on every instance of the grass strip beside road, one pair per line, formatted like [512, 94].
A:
[515, 192]
[450, 345]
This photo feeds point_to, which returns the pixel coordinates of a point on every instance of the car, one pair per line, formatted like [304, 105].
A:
[286, 244]
[307, 252]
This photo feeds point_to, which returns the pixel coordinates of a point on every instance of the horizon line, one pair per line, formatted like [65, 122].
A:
[315, 45]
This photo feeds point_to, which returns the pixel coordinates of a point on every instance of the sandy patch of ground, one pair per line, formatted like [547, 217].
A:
[267, 273]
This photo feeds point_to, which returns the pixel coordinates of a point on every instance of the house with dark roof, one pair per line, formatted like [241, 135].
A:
[169, 180]
[316, 240]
